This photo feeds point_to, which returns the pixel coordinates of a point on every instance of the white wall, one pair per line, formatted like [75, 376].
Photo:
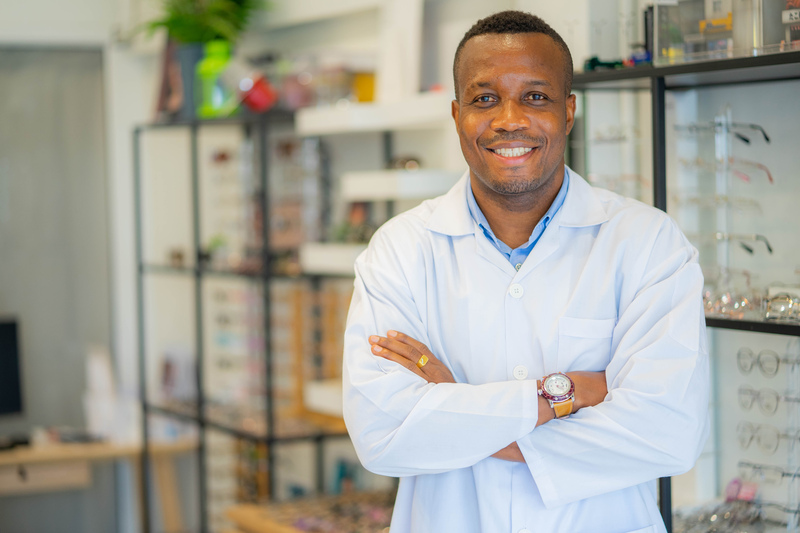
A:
[54, 22]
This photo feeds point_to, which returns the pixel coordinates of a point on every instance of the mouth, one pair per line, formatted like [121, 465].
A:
[512, 152]
[512, 155]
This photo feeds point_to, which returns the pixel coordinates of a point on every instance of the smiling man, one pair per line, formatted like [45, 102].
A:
[527, 353]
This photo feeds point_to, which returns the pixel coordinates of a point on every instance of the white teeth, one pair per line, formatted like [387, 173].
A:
[512, 152]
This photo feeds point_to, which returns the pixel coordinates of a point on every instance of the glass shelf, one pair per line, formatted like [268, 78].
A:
[305, 426]
[778, 66]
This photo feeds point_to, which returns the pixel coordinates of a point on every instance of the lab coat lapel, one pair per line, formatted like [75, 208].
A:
[488, 251]
[581, 208]
[452, 217]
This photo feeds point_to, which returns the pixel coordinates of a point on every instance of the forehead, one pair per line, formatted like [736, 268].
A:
[489, 56]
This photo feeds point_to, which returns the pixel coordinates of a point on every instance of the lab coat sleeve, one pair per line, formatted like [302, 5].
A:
[654, 420]
[400, 424]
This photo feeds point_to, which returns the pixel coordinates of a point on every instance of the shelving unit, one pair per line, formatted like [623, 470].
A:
[267, 416]
[426, 110]
[383, 185]
[658, 81]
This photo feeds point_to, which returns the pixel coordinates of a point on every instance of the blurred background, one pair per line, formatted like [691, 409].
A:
[185, 184]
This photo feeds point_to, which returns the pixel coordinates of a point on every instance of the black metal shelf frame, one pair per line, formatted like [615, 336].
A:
[260, 127]
[658, 80]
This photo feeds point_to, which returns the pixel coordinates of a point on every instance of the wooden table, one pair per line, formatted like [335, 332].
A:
[33, 469]
[367, 512]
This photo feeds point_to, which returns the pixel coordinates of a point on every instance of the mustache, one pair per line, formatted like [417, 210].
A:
[512, 136]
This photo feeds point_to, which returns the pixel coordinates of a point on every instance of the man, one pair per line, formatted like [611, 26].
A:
[464, 304]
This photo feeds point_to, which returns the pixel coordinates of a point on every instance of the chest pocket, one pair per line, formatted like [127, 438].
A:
[584, 343]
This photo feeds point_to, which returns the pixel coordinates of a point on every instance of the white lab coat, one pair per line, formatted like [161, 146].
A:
[613, 284]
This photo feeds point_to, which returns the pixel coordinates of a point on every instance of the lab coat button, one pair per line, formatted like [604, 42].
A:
[520, 372]
[516, 290]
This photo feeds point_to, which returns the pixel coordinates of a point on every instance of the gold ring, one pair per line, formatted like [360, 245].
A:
[422, 361]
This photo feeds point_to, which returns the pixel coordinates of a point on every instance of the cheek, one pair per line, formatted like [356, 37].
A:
[470, 129]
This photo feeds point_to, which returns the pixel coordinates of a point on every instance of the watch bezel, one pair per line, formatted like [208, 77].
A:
[557, 398]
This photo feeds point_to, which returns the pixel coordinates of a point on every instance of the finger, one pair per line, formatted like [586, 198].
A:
[402, 337]
[399, 359]
[401, 348]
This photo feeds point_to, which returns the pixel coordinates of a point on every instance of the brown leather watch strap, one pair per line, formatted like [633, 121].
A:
[563, 409]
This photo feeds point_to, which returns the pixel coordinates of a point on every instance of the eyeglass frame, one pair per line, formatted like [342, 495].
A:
[758, 359]
[762, 469]
[746, 432]
[731, 125]
[747, 396]
[790, 310]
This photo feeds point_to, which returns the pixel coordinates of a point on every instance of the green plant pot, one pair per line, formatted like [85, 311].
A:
[187, 56]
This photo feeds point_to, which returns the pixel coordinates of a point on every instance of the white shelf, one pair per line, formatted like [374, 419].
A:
[425, 111]
[296, 12]
[329, 258]
[324, 396]
[396, 184]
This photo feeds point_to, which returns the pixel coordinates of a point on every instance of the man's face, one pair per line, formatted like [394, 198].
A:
[512, 113]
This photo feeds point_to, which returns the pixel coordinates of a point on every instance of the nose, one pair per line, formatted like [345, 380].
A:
[511, 116]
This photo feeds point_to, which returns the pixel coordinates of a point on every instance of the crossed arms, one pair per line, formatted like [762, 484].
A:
[590, 387]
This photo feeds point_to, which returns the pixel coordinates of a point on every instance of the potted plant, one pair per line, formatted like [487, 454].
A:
[190, 25]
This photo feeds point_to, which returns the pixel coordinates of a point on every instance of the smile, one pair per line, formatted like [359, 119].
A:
[512, 152]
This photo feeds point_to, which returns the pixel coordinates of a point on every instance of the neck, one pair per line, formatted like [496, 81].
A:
[513, 217]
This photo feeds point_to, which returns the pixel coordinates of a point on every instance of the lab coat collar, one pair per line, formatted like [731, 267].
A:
[451, 216]
[581, 208]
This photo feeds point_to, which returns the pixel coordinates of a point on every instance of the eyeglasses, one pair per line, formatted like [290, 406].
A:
[752, 164]
[717, 126]
[765, 473]
[739, 204]
[783, 306]
[713, 166]
[730, 295]
[768, 361]
[742, 237]
[767, 399]
[767, 437]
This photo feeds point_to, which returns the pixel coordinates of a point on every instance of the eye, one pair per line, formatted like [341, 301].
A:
[536, 97]
[484, 99]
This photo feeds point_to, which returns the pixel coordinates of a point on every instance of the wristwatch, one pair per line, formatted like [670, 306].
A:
[559, 390]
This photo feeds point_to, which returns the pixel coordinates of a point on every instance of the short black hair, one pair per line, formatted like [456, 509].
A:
[514, 22]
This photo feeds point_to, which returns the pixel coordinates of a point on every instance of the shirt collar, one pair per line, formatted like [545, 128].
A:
[581, 208]
[478, 216]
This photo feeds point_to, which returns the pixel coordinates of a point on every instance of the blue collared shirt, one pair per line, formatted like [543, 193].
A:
[517, 256]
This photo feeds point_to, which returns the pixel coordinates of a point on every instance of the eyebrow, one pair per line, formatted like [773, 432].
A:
[530, 83]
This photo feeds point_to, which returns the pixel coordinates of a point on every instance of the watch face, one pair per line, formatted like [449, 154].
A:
[557, 387]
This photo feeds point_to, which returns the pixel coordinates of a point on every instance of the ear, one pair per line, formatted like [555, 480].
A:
[570, 112]
[455, 109]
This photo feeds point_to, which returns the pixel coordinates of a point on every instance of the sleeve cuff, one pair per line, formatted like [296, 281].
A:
[537, 466]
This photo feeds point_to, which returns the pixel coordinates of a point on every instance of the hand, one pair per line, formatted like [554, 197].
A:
[590, 388]
[402, 349]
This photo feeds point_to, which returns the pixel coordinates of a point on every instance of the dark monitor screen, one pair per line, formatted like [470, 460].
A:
[10, 386]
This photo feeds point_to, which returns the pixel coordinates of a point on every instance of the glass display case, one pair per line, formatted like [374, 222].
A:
[697, 30]
[731, 182]
[718, 139]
